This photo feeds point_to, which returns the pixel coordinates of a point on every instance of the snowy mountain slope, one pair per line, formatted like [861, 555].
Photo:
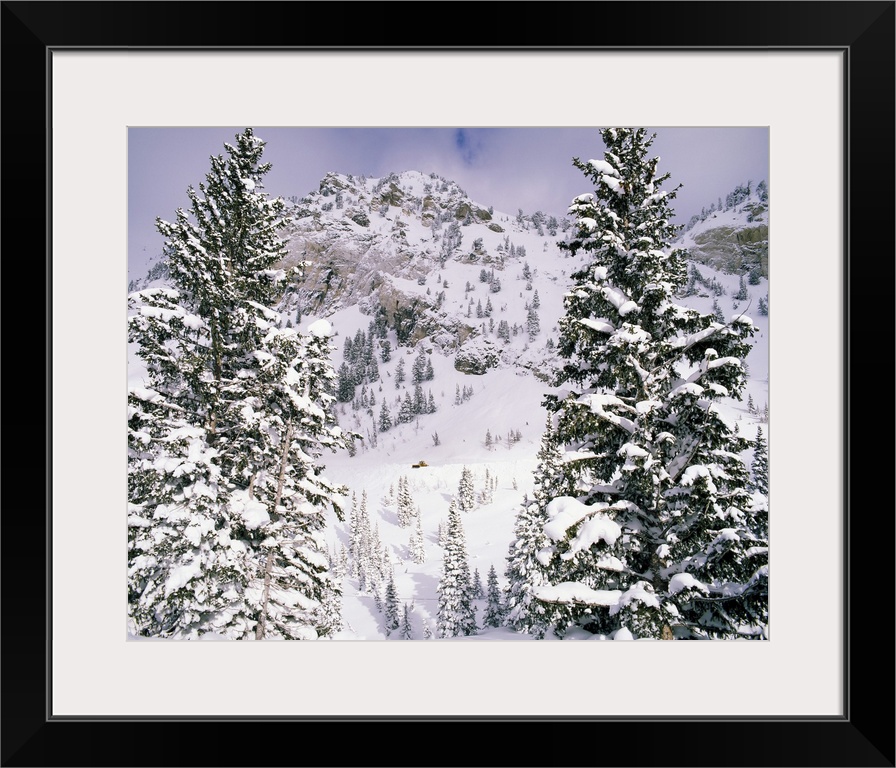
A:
[388, 268]
[409, 261]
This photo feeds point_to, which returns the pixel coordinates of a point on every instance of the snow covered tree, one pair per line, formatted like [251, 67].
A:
[533, 324]
[466, 493]
[525, 571]
[418, 550]
[345, 388]
[405, 503]
[407, 630]
[457, 615]
[390, 607]
[478, 590]
[226, 496]
[406, 410]
[385, 420]
[760, 463]
[418, 369]
[494, 612]
[657, 532]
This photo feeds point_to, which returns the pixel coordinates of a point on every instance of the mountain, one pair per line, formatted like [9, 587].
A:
[414, 252]
[407, 267]
[409, 259]
[732, 236]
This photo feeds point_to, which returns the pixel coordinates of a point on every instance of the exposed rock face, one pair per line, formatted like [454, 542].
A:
[732, 249]
[476, 356]
[352, 239]
[732, 240]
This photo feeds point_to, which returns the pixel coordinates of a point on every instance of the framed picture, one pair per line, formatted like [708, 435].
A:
[818, 76]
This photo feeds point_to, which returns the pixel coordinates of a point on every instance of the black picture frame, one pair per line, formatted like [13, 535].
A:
[863, 736]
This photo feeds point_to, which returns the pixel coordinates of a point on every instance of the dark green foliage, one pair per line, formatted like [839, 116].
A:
[760, 463]
[654, 524]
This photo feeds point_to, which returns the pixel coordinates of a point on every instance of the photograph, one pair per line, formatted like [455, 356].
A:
[439, 383]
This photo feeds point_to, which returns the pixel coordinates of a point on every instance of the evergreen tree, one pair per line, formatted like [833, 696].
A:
[494, 612]
[390, 607]
[418, 550]
[405, 503]
[385, 350]
[478, 591]
[345, 387]
[533, 325]
[418, 369]
[504, 331]
[385, 422]
[662, 536]
[760, 463]
[226, 495]
[525, 572]
[466, 493]
[407, 631]
[536, 302]
[419, 400]
[406, 411]
[456, 615]
[400, 373]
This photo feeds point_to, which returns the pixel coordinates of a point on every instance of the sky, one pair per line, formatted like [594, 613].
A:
[508, 168]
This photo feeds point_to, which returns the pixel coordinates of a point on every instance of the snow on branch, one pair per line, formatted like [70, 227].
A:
[575, 593]
[597, 405]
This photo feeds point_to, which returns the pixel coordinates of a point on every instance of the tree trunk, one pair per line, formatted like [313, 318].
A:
[269, 564]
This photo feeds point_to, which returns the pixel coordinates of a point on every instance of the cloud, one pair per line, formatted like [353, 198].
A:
[467, 147]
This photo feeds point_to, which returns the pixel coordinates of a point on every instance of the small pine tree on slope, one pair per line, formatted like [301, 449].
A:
[407, 630]
[391, 607]
[525, 570]
[760, 463]
[417, 543]
[494, 612]
[457, 615]
[225, 496]
[405, 503]
[662, 536]
[466, 492]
